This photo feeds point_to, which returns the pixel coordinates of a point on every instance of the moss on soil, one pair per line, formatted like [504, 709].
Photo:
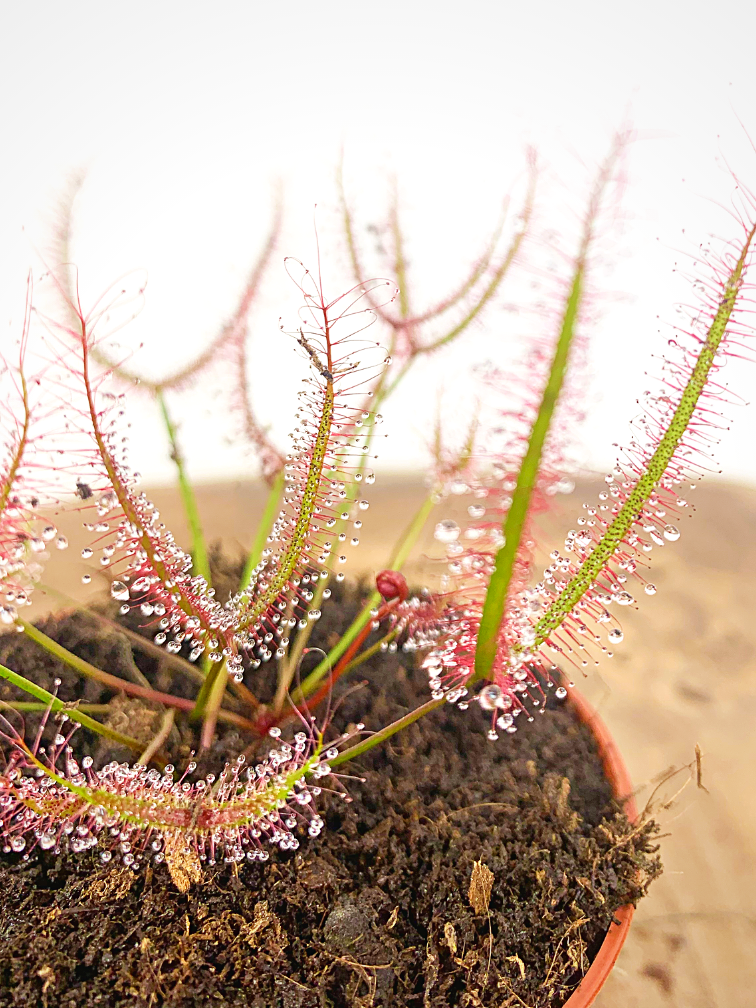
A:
[376, 910]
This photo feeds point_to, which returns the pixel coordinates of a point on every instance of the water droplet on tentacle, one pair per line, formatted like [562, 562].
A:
[446, 531]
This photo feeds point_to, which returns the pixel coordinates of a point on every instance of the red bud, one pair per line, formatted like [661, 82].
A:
[391, 584]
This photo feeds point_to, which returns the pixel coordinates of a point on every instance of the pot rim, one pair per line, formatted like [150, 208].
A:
[617, 774]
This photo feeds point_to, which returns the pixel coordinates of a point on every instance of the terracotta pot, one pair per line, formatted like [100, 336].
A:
[617, 775]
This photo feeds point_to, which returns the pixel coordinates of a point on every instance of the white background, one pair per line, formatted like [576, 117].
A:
[184, 114]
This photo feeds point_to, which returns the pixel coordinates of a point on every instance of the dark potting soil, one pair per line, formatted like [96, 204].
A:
[378, 909]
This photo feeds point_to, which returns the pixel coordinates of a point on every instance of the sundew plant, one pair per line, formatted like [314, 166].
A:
[495, 637]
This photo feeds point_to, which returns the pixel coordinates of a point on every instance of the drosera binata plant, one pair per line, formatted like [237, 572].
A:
[492, 635]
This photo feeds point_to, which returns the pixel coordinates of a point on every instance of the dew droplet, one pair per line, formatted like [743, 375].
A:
[624, 598]
[86, 553]
[490, 696]
[106, 502]
[671, 532]
[650, 589]
[446, 531]
[119, 591]
[616, 636]
[560, 692]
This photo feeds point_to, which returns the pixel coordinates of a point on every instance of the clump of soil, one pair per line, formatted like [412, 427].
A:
[380, 908]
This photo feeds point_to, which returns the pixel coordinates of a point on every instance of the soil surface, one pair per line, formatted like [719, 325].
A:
[386, 907]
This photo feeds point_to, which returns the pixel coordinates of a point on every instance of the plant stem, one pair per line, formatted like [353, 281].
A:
[201, 565]
[32, 707]
[114, 682]
[514, 524]
[386, 733]
[143, 643]
[175, 661]
[272, 504]
[200, 703]
[411, 534]
[346, 662]
[398, 558]
[369, 652]
[213, 706]
[73, 713]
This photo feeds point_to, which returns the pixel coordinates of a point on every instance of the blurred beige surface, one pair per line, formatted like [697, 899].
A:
[685, 674]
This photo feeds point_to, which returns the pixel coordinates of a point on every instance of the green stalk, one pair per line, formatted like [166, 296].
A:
[369, 652]
[398, 558]
[200, 703]
[212, 707]
[29, 707]
[517, 516]
[386, 733]
[73, 713]
[631, 510]
[514, 524]
[137, 640]
[114, 682]
[272, 505]
[411, 534]
[92, 672]
[384, 390]
[200, 563]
